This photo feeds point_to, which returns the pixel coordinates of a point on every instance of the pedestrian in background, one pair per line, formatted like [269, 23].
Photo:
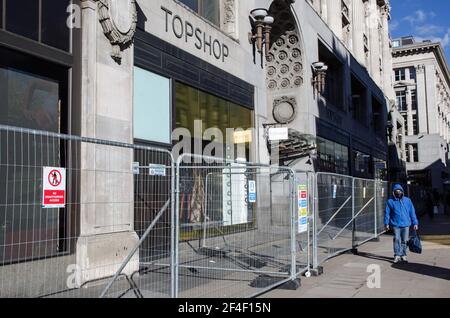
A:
[400, 215]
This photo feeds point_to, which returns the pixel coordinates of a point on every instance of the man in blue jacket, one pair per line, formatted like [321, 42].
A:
[400, 215]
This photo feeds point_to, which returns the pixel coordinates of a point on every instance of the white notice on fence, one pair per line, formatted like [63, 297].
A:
[157, 170]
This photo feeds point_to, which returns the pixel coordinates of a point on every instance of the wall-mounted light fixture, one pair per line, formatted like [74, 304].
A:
[319, 76]
[261, 23]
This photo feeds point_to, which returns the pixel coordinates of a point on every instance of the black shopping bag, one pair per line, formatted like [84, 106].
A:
[414, 243]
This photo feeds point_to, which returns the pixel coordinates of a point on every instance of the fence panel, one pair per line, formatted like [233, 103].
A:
[382, 190]
[304, 197]
[235, 228]
[73, 250]
[333, 216]
[364, 215]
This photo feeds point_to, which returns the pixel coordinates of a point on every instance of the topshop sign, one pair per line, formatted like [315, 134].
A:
[186, 31]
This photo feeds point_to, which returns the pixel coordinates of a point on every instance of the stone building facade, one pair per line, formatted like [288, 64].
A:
[132, 71]
[422, 88]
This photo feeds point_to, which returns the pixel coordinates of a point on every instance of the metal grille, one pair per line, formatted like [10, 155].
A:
[333, 214]
[235, 228]
[49, 252]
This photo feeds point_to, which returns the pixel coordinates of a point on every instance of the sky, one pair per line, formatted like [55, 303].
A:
[424, 19]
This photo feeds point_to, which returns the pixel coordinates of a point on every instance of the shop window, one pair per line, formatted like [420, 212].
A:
[54, 24]
[226, 204]
[362, 164]
[33, 95]
[209, 9]
[334, 78]
[378, 117]
[380, 167]
[22, 17]
[213, 112]
[33, 92]
[359, 105]
[40, 20]
[152, 107]
[332, 157]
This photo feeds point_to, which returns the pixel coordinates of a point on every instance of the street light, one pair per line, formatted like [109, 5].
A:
[319, 75]
[259, 37]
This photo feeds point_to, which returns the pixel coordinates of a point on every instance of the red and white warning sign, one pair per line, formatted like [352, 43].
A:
[54, 187]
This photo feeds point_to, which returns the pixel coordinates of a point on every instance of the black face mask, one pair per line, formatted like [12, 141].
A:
[398, 194]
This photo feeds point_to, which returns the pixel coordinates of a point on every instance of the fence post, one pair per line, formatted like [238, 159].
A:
[314, 223]
[353, 217]
[375, 207]
[293, 227]
[176, 233]
[172, 232]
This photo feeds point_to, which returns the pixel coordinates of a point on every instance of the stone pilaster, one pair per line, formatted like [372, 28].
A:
[334, 17]
[106, 179]
[358, 22]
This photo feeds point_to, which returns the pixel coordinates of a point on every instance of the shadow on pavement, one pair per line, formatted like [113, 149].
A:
[377, 257]
[433, 271]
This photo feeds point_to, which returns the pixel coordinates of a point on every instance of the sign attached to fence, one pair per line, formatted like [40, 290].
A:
[251, 191]
[302, 208]
[157, 170]
[53, 188]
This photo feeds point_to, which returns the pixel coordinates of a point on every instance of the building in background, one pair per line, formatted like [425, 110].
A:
[348, 115]
[422, 90]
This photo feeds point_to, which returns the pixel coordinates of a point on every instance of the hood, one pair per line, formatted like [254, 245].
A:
[398, 187]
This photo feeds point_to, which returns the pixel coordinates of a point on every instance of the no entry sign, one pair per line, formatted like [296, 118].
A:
[54, 187]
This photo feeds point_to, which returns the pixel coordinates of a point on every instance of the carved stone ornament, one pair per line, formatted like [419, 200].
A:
[118, 19]
[284, 110]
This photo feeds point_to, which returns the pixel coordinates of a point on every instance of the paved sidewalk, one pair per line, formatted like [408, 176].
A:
[426, 276]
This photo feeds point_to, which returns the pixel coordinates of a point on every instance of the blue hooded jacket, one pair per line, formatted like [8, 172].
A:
[400, 212]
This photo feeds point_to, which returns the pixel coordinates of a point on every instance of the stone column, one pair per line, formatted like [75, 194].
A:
[229, 17]
[374, 38]
[409, 115]
[387, 53]
[411, 153]
[358, 22]
[334, 17]
[324, 9]
[422, 106]
[106, 179]
[433, 115]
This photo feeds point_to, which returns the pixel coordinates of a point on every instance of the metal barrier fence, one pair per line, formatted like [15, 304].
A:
[69, 248]
[348, 213]
[135, 224]
[236, 237]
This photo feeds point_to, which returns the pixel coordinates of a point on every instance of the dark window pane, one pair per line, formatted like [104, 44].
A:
[54, 24]
[210, 11]
[22, 17]
[193, 4]
[1, 14]
[28, 100]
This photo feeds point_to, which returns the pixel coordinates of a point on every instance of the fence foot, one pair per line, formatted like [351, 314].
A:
[264, 281]
[376, 239]
[292, 284]
[354, 251]
[316, 271]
